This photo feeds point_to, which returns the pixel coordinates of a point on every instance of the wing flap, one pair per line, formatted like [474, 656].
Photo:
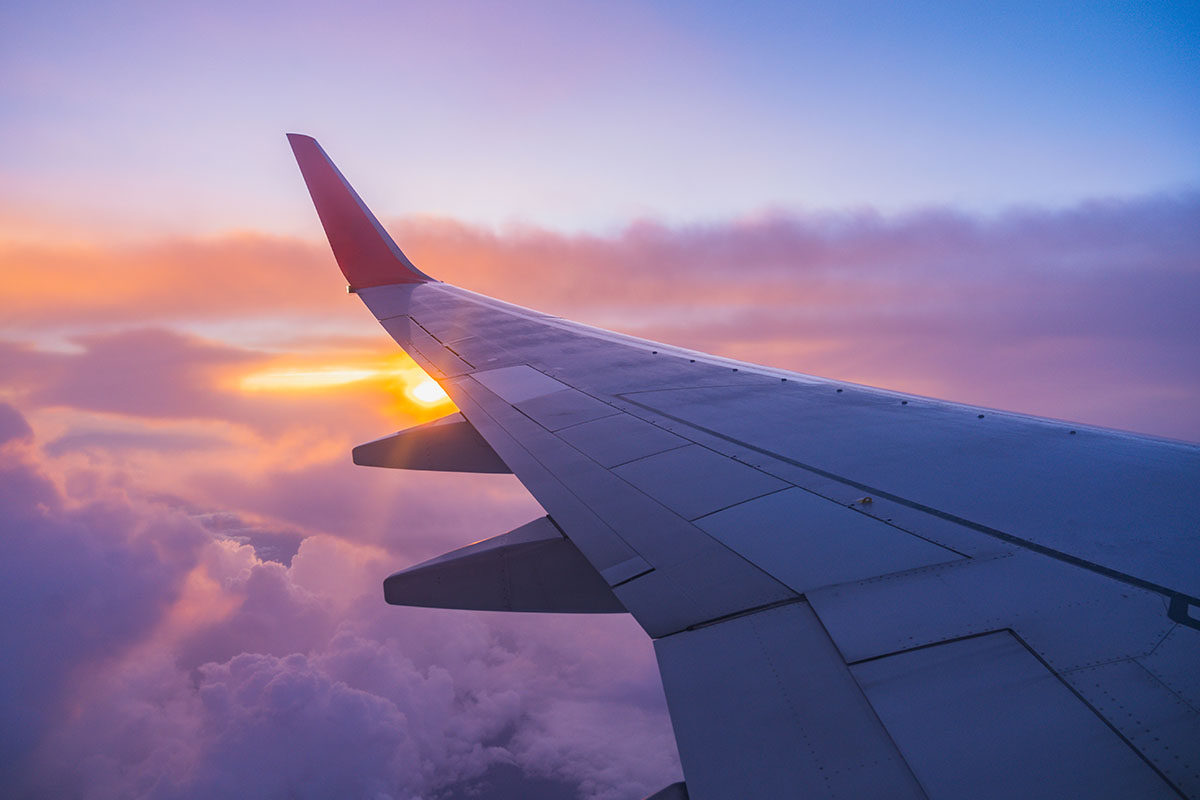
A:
[763, 706]
[983, 718]
[1098, 637]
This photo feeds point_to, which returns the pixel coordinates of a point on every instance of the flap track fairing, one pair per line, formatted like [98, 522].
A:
[532, 568]
[449, 444]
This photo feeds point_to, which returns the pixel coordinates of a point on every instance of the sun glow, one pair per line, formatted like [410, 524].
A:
[409, 386]
[315, 378]
[428, 393]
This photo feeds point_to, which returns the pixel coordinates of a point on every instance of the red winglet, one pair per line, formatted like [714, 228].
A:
[363, 249]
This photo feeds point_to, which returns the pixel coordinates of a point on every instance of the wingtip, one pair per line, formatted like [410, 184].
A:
[363, 249]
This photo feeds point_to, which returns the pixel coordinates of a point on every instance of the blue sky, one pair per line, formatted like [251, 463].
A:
[145, 118]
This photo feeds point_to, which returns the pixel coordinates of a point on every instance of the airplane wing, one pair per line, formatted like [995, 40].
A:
[852, 592]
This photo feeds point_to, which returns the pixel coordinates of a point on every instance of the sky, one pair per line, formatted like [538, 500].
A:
[992, 203]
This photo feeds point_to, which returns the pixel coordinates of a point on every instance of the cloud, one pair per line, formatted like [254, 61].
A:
[146, 373]
[165, 416]
[247, 275]
[275, 724]
[13, 426]
[1084, 313]
[155, 373]
[151, 654]
[270, 543]
[120, 441]
[232, 276]
[81, 583]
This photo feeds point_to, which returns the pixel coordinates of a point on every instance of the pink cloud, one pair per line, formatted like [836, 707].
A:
[235, 275]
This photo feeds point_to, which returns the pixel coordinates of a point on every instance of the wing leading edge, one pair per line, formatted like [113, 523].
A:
[851, 592]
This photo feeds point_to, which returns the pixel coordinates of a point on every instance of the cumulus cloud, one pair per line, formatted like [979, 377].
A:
[178, 429]
[13, 426]
[151, 654]
[81, 582]
[158, 373]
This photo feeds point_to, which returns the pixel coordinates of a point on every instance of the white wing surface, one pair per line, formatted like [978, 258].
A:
[852, 592]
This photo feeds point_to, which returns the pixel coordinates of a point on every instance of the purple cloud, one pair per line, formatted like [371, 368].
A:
[152, 655]
[81, 583]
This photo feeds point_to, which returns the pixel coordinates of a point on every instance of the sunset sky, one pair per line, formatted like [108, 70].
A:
[993, 203]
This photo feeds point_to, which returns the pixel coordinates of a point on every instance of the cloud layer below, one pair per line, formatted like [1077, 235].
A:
[151, 655]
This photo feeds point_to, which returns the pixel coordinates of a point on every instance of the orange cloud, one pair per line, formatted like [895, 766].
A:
[237, 275]
[1083, 313]
[410, 391]
[157, 414]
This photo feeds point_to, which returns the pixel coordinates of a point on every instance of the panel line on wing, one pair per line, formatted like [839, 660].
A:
[702, 517]
[708, 623]
[694, 576]
[997, 694]
[668, 450]
[1100, 569]
[1109, 723]
[604, 547]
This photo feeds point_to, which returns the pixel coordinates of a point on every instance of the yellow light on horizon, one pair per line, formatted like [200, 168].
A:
[318, 378]
[409, 386]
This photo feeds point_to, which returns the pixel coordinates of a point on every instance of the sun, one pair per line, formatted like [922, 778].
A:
[428, 393]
